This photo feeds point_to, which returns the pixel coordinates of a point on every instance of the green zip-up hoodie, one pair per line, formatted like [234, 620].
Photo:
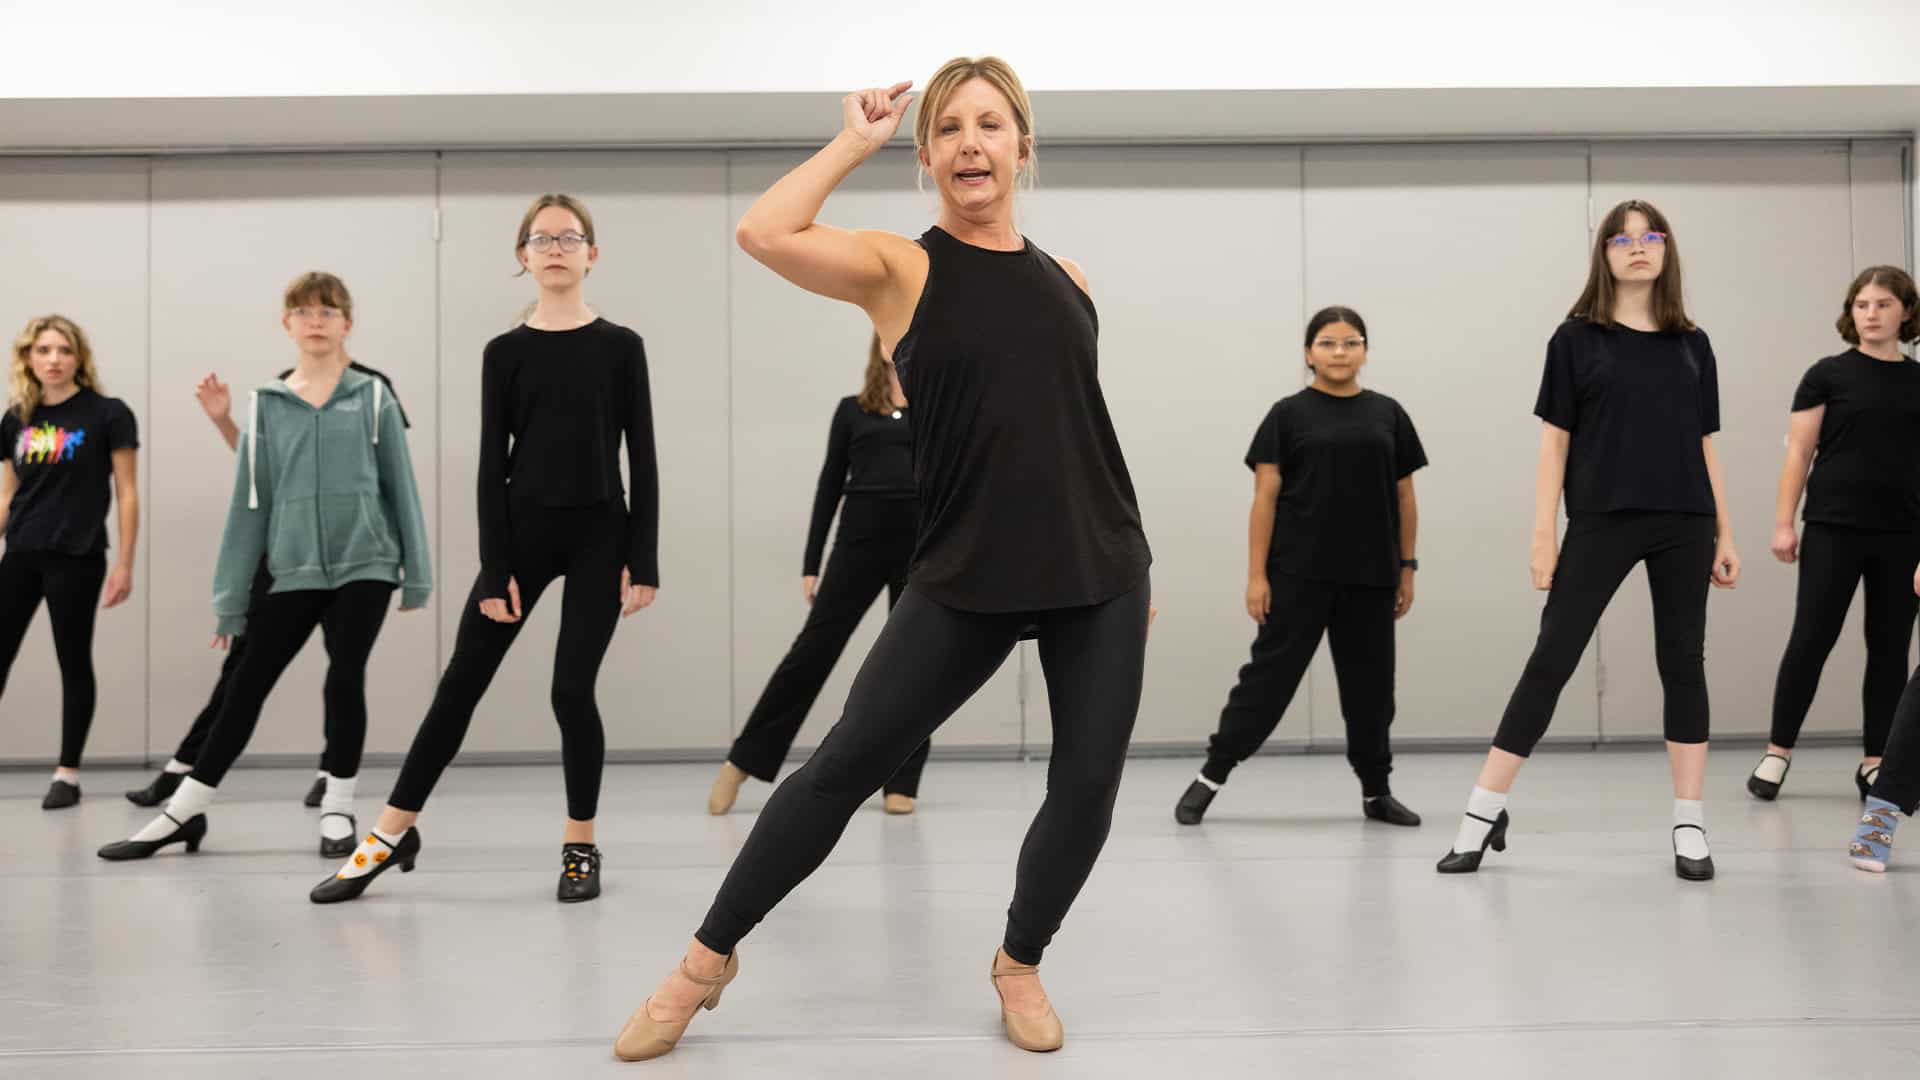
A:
[327, 495]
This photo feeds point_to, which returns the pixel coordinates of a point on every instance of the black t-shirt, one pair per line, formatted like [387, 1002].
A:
[1025, 500]
[867, 454]
[63, 458]
[355, 365]
[554, 407]
[1341, 461]
[1637, 405]
[1866, 474]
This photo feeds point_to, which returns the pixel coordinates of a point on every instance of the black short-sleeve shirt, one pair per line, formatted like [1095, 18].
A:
[1866, 472]
[1341, 460]
[63, 459]
[1637, 404]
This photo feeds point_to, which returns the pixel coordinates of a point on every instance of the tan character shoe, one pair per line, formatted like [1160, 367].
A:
[726, 788]
[645, 1038]
[897, 804]
[1039, 1034]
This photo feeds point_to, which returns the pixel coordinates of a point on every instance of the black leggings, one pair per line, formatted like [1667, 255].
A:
[195, 739]
[1833, 561]
[277, 630]
[1357, 621]
[1899, 779]
[1596, 556]
[585, 545]
[928, 661]
[71, 586]
[871, 553]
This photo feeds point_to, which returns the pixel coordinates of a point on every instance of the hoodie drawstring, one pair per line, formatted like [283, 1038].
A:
[253, 449]
[376, 412]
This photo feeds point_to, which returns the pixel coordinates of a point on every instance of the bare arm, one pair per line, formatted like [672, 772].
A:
[126, 497]
[1550, 478]
[1266, 493]
[9, 483]
[1803, 434]
[216, 400]
[1726, 561]
[779, 230]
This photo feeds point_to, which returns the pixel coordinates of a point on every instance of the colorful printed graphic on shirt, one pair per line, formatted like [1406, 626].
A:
[47, 444]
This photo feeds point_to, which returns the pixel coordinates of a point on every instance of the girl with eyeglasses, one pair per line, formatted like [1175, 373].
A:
[66, 451]
[1628, 402]
[868, 479]
[324, 494]
[1853, 448]
[559, 393]
[1330, 551]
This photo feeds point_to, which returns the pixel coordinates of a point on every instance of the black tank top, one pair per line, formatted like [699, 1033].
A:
[1025, 501]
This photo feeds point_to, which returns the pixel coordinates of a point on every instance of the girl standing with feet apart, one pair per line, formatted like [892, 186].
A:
[1856, 421]
[870, 459]
[1027, 516]
[1630, 399]
[325, 493]
[1330, 550]
[65, 448]
[558, 394]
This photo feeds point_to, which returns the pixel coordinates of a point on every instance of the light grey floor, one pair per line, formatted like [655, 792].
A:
[1283, 938]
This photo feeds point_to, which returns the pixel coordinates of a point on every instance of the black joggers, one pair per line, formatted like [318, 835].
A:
[1595, 557]
[277, 629]
[1833, 562]
[927, 662]
[1899, 779]
[871, 553]
[585, 545]
[71, 586]
[1358, 623]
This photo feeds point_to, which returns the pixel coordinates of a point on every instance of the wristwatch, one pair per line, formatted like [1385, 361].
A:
[1409, 564]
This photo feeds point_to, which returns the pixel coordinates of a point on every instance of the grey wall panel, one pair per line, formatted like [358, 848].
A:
[77, 231]
[229, 233]
[1462, 259]
[1767, 245]
[1192, 255]
[794, 355]
[1879, 204]
[661, 224]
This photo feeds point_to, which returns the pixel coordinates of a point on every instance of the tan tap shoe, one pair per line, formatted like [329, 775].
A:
[1039, 1034]
[897, 804]
[726, 788]
[645, 1038]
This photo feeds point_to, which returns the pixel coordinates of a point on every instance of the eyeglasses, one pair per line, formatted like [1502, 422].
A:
[324, 314]
[1621, 241]
[568, 242]
[1352, 344]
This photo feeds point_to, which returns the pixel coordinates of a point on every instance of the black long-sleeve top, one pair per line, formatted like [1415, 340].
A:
[867, 454]
[554, 406]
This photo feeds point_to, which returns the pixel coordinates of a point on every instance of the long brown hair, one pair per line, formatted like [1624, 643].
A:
[876, 393]
[1596, 301]
[26, 385]
[1894, 280]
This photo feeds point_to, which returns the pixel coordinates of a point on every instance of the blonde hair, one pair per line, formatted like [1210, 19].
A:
[565, 202]
[26, 385]
[998, 74]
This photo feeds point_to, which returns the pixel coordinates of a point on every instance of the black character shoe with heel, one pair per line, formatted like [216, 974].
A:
[1193, 803]
[190, 833]
[1765, 789]
[62, 794]
[343, 847]
[1863, 778]
[1691, 869]
[315, 793]
[1466, 862]
[1390, 810]
[579, 873]
[336, 888]
[162, 789]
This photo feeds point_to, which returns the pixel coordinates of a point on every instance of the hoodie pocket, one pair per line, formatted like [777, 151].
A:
[293, 537]
[357, 531]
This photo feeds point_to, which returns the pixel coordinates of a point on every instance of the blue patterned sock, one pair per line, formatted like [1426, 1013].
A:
[1872, 842]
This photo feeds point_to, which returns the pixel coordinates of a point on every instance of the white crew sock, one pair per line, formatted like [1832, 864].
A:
[176, 767]
[336, 808]
[1690, 843]
[377, 848]
[192, 797]
[1772, 769]
[71, 776]
[1208, 784]
[1481, 804]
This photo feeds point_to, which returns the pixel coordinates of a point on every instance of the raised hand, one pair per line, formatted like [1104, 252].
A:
[216, 400]
[875, 114]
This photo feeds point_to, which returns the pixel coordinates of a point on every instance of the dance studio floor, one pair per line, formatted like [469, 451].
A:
[1284, 938]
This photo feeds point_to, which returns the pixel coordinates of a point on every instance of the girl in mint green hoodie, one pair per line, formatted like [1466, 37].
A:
[325, 491]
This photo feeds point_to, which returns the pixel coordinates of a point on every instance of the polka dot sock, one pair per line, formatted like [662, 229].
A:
[374, 850]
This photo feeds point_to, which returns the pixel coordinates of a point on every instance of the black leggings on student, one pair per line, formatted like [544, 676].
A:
[1595, 557]
[277, 630]
[1833, 562]
[190, 746]
[1899, 779]
[586, 546]
[71, 586]
[928, 661]
[871, 553]
[1357, 621]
